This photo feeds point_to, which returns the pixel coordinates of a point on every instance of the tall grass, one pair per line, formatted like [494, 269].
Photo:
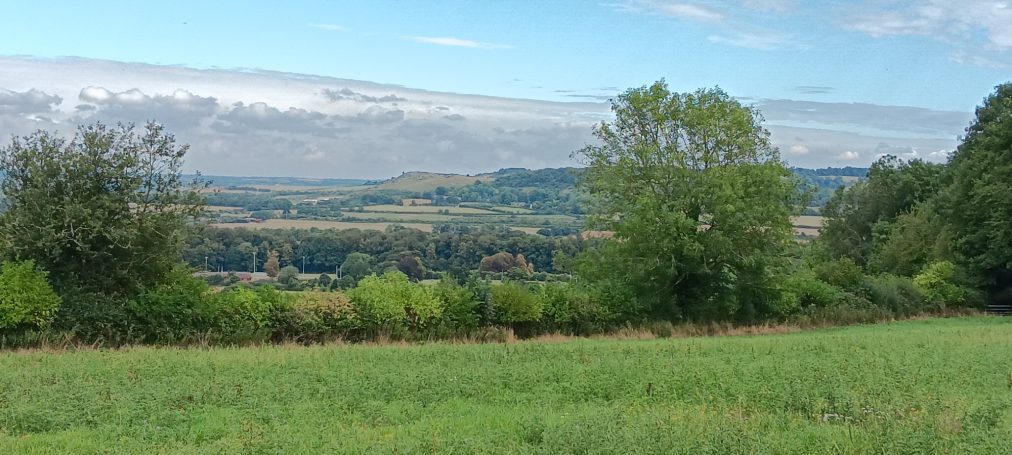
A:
[929, 386]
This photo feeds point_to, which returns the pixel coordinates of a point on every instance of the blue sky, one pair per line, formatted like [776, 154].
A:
[941, 56]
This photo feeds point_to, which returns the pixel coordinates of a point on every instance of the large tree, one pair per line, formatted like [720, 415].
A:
[859, 217]
[103, 212]
[698, 199]
[978, 202]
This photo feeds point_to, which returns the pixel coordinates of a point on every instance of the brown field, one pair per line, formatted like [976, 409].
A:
[806, 231]
[416, 201]
[808, 221]
[322, 224]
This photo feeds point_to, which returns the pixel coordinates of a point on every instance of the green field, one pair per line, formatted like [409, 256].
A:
[934, 386]
[426, 209]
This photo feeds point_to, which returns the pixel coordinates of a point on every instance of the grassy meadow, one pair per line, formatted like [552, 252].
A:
[930, 386]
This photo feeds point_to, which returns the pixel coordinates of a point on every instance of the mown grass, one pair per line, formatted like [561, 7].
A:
[931, 386]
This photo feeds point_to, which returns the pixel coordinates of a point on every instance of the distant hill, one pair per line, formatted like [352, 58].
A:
[429, 181]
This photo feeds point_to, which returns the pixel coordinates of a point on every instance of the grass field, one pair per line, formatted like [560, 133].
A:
[932, 386]
[426, 209]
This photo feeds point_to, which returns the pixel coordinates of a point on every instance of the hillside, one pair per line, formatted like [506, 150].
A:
[429, 181]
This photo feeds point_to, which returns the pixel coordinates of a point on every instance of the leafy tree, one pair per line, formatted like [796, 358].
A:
[698, 199]
[271, 266]
[979, 200]
[289, 276]
[411, 266]
[324, 280]
[387, 301]
[514, 303]
[25, 296]
[859, 217]
[357, 265]
[104, 212]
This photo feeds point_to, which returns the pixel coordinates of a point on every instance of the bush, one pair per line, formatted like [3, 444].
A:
[288, 277]
[843, 273]
[26, 299]
[245, 314]
[172, 311]
[460, 306]
[317, 316]
[810, 291]
[897, 294]
[515, 303]
[387, 302]
[936, 282]
[572, 309]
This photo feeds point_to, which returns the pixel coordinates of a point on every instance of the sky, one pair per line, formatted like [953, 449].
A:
[371, 89]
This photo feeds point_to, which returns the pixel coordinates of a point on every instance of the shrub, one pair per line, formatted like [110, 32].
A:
[810, 291]
[897, 294]
[317, 316]
[242, 313]
[515, 303]
[572, 309]
[390, 300]
[936, 282]
[26, 299]
[460, 307]
[289, 277]
[173, 310]
[843, 273]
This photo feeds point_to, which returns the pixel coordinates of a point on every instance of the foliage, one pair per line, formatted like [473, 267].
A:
[897, 294]
[515, 303]
[978, 202]
[317, 316]
[26, 299]
[698, 197]
[272, 267]
[389, 301]
[859, 216]
[175, 310]
[288, 277]
[913, 240]
[460, 305]
[357, 265]
[104, 212]
[242, 313]
[937, 282]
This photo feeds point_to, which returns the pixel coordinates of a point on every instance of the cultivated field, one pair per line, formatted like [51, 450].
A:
[426, 209]
[933, 386]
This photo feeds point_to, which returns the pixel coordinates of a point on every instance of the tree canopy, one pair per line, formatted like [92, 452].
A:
[103, 212]
[978, 203]
[697, 197]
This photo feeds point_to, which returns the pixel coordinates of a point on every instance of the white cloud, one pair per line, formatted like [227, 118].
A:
[771, 6]
[975, 28]
[690, 11]
[762, 41]
[849, 155]
[330, 27]
[798, 149]
[456, 42]
[679, 10]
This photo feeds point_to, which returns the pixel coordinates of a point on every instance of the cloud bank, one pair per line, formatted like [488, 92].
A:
[243, 122]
